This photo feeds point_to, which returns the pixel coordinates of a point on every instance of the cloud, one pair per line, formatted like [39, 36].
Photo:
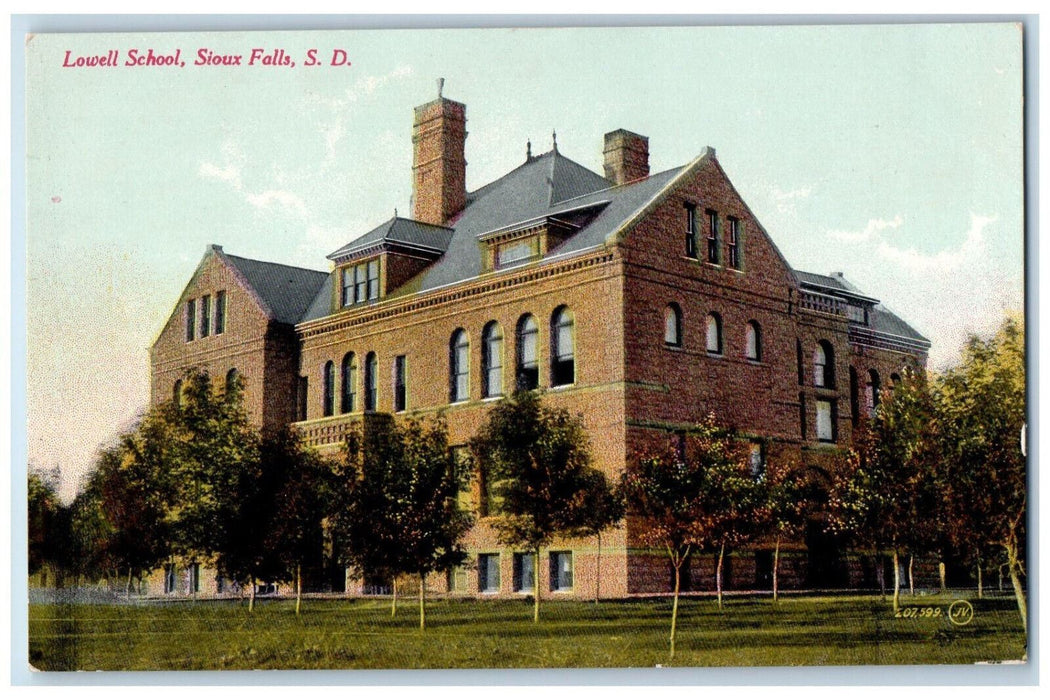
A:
[872, 231]
[282, 199]
[785, 199]
[944, 261]
[227, 173]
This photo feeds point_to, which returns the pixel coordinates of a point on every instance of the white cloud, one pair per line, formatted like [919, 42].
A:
[944, 261]
[785, 199]
[282, 199]
[227, 173]
[872, 231]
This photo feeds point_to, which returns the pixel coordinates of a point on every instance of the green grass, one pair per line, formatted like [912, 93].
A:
[340, 634]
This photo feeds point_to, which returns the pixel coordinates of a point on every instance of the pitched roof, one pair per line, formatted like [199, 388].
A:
[880, 318]
[287, 290]
[407, 232]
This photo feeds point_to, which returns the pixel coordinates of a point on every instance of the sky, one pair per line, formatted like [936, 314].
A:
[890, 153]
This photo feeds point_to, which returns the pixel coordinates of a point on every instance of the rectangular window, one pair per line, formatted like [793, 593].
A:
[733, 244]
[517, 251]
[491, 503]
[194, 576]
[488, 573]
[400, 391]
[220, 312]
[191, 319]
[712, 237]
[348, 286]
[690, 230]
[857, 314]
[463, 464]
[757, 459]
[205, 315]
[360, 283]
[826, 421]
[561, 571]
[373, 279]
[524, 573]
[169, 578]
[456, 579]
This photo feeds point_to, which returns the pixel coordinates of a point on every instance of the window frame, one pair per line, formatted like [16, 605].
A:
[556, 574]
[328, 389]
[205, 316]
[563, 364]
[400, 383]
[459, 366]
[371, 382]
[690, 231]
[191, 320]
[527, 372]
[753, 341]
[220, 312]
[348, 383]
[675, 311]
[733, 239]
[714, 243]
[824, 370]
[491, 360]
[489, 562]
[826, 421]
[518, 584]
[719, 337]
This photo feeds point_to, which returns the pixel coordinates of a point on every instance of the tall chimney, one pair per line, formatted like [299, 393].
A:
[626, 156]
[439, 168]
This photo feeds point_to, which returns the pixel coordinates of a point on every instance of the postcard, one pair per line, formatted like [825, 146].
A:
[616, 347]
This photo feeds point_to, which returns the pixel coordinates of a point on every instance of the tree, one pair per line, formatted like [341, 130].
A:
[786, 508]
[45, 518]
[684, 499]
[876, 496]
[983, 406]
[537, 460]
[401, 515]
[602, 507]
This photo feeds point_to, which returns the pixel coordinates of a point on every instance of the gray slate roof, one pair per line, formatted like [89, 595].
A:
[880, 318]
[400, 230]
[287, 290]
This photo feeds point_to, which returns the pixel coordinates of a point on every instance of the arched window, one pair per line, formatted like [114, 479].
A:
[348, 393]
[176, 394]
[459, 367]
[528, 368]
[895, 379]
[492, 360]
[673, 325]
[753, 341]
[563, 348]
[824, 365]
[371, 386]
[714, 333]
[872, 391]
[329, 388]
[232, 384]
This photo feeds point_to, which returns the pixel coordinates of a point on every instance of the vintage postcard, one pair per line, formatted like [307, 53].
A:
[614, 347]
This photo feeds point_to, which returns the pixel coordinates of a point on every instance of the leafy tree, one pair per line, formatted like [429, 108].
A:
[786, 507]
[538, 460]
[882, 497]
[602, 507]
[983, 406]
[45, 518]
[684, 502]
[400, 514]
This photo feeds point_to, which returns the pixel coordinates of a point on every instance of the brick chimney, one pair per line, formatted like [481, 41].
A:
[439, 168]
[626, 156]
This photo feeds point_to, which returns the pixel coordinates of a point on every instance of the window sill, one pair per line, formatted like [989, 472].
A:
[562, 387]
[497, 397]
[718, 355]
[713, 264]
[671, 346]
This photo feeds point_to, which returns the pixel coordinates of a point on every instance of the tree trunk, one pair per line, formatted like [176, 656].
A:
[776, 565]
[911, 577]
[598, 571]
[1015, 579]
[251, 598]
[422, 601]
[718, 574]
[393, 603]
[298, 588]
[880, 574]
[127, 588]
[942, 572]
[674, 607]
[536, 587]
[980, 581]
[896, 581]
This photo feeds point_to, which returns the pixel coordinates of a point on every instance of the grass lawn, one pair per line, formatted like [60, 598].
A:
[340, 634]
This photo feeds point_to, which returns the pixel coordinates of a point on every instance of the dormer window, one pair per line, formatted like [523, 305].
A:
[360, 283]
[518, 251]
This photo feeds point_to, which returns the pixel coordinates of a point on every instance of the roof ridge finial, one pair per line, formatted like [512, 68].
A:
[554, 139]
[395, 212]
[441, 86]
[528, 150]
